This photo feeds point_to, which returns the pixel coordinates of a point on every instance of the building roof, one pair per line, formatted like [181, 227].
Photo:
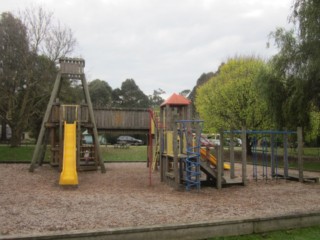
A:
[176, 99]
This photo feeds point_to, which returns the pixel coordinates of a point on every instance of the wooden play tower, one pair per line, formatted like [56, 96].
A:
[179, 151]
[58, 116]
[185, 160]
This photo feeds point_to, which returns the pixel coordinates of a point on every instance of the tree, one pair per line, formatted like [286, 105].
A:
[230, 99]
[46, 35]
[14, 58]
[185, 92]
[201, 80]
[295, 69]
[26, 70]
[130, 96]
[116, 97]
[100, 93]
[156, 99]
[44, 73]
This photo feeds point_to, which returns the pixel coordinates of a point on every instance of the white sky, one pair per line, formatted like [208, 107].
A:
[163, 44]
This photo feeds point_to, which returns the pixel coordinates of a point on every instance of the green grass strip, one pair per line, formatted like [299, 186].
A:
[130, 154]
[310, 233]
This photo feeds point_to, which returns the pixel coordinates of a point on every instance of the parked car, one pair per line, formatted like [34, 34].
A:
[237, 142]
[214, 139]
[129, 140]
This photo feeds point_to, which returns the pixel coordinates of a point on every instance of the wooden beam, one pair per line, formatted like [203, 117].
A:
[91, 117]
[232, 144]
[37, 153]
[244, 156]
[300, 150]
[175, 154]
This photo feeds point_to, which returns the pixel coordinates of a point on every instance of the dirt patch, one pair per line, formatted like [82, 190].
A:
[35, 203]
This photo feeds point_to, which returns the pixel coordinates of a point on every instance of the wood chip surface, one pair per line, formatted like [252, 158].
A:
[32, 203]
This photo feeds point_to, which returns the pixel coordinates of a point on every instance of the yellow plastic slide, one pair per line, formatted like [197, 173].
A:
[212, 159]
[69, 174]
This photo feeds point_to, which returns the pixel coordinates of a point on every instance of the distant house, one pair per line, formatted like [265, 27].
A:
[9, 132]
[25, 135]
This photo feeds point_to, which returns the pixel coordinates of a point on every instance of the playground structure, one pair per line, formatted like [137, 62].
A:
[184, 157]
[175, 143]
[178, 152]
[64, 125]
[264, 140]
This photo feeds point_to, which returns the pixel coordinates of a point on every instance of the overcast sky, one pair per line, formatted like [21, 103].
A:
[163, 44]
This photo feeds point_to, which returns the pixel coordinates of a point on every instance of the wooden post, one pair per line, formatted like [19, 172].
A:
[198, 144]
[220, 162]
[78, 136]
[232, 175]
[272, 144]
[285, 156]
[53, 145]
[189, 110]
[44, 147]
[161, 140]
[168, 117]
[175, 155]
[300, 151]
[91, 116]
[36, 153]
[244, 156]
[61, 139]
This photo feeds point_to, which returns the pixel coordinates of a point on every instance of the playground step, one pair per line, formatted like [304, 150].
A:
[205, 167]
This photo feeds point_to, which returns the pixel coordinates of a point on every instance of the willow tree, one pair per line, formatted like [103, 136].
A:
[295, 68]
[230, 98]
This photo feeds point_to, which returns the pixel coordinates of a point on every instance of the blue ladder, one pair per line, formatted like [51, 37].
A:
[192, 160]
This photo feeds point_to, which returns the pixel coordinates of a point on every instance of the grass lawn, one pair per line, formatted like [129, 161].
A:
[109, 154]
[310, 233]
[19, 154]
[131, 154]
[311, 161]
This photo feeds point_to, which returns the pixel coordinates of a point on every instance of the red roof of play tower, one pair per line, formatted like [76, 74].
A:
[176, 99]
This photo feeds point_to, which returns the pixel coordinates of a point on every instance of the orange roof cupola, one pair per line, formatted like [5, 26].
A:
[176, 99]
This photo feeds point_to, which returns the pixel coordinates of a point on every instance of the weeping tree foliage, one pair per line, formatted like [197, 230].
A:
[291, 83]
[230, 98]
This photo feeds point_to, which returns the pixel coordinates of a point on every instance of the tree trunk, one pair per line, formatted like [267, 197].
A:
[3, 137]
[249, 145]
[15, 137]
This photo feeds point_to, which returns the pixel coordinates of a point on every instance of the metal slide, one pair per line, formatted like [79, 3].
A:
[212, 159]
[69, 174]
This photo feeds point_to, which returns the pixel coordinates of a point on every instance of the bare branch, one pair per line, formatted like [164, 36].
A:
[45, 36]
[38, 22]
[60, 42]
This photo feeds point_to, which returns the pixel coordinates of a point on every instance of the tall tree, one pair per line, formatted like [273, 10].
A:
[15, 84]
[295, 69]
[100, 93]
[44, 73]
[230, 99]
[46, 35]
[156, 99]
[185, 92]
[130, 95]
[25, 63]
[192, 96]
